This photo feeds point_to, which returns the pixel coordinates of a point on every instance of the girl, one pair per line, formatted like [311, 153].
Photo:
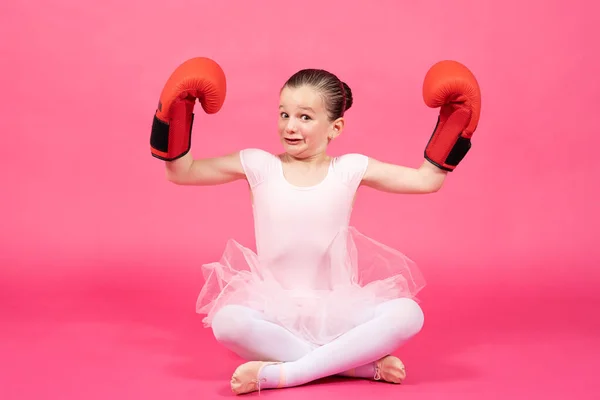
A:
[318, 298]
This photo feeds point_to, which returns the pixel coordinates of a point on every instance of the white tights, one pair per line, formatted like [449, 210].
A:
[248, 334]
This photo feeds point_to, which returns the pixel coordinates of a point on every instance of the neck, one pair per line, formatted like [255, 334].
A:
[314, 160]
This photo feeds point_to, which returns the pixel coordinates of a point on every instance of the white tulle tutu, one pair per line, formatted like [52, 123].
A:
[356, 274]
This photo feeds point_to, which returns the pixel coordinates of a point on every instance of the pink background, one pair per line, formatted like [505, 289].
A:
[100, 255]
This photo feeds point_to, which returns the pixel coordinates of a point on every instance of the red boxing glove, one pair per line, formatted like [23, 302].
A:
[198, 78]
[451, 86]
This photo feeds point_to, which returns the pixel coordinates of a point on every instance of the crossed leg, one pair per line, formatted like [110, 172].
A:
[355, 353]
[245, 332]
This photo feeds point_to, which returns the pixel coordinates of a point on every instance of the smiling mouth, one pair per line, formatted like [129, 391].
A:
[293, 141]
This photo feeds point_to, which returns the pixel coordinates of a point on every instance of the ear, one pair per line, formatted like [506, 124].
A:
[336, 128]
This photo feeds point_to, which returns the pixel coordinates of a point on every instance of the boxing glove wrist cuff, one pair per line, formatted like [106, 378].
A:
[458, 152]
[160, 137]
[446, 158]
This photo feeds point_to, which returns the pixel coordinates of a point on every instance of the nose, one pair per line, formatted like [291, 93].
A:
[290, 126]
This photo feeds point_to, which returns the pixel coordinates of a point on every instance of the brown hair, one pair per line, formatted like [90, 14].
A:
[337, 94]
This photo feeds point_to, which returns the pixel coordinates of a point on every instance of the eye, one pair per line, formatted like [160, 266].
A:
[305, 117]
[283, 115]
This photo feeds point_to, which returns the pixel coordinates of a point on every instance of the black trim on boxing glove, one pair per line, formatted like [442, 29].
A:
[456, 155]
[459, 151]
[159, 138]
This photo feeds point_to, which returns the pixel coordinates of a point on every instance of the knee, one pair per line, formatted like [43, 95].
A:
[231, 324]
[405, 316]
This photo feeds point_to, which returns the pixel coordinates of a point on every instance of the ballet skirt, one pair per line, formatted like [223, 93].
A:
[317, 283]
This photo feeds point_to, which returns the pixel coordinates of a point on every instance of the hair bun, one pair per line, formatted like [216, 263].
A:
[348, 95]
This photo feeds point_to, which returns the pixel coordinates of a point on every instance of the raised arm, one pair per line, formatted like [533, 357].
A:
[393, 178]
[205, 171]
[200, 79]
[452, 87]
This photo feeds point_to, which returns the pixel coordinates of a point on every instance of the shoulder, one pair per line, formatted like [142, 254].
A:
[351, 159]
[351, 167]
[252, 157]
[253, 153]
[257, 164]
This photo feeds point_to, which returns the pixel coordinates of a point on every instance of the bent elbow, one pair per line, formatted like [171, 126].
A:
[436, 187]
[174, 178]
[432, 186]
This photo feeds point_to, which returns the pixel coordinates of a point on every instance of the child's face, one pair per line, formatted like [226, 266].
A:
[304, 127]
